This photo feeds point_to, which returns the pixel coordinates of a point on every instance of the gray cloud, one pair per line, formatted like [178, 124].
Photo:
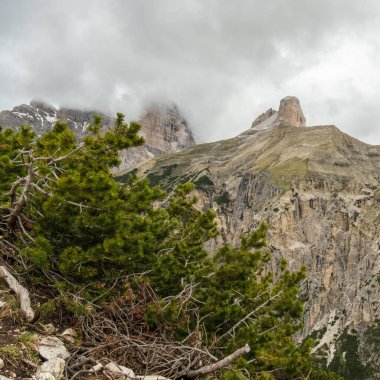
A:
[222, 62]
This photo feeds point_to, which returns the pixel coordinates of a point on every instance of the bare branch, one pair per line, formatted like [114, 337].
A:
[249, 315]
[20, 291]
[40, 190]
[21, 225]
[220, 364]
[77, 149]
[80, 205]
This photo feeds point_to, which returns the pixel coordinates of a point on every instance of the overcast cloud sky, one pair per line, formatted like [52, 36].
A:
[223, 62]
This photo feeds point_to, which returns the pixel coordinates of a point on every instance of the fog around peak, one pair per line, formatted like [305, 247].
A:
[221, 62]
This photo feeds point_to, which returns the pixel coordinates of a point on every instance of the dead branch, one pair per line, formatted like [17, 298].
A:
[249, 315]
[17, 206]
[225, 362]
[120, 333]
[80, 205]
[21, 190]
[77, 149]
[20, 291]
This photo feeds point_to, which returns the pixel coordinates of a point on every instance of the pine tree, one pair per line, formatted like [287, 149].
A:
[83, 234]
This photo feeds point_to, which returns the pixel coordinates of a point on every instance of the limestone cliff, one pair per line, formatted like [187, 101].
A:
[319, 190]
[165, 130]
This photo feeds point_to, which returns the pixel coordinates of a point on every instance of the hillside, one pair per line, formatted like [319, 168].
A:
[319, 190]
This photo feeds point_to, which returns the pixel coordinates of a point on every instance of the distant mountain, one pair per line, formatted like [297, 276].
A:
[319, 190]
[164, 127]
[165, 130]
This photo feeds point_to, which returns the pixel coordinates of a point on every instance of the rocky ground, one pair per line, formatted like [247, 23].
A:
[43, 351]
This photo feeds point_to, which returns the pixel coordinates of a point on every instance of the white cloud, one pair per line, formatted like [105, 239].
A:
[222, 62]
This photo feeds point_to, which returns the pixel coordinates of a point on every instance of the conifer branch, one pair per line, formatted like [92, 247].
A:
[249, 315]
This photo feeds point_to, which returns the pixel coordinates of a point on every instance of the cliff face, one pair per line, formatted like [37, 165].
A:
[163, 126]
[319, 190]
[164, 129]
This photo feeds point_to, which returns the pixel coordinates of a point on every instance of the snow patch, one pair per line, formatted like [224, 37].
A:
[51, 119]
[22, 115]
[266, 124]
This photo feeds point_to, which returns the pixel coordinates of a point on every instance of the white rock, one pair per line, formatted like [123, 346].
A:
[97, 367]
[51, 347]
[1, 363]
[2, 303]
[4, 378]
[45, 376]
[69, 335]
[51, 370]
[70, 332]
[119, 369]
[153, 377]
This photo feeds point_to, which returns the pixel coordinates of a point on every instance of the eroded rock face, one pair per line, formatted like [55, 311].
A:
[165, 130]
[290, 112]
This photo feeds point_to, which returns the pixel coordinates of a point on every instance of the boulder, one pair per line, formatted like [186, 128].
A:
[51, 370]
[52, 347]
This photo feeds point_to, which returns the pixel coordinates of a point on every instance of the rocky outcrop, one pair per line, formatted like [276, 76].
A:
[164, 127]
[289, 114]
[319, 189]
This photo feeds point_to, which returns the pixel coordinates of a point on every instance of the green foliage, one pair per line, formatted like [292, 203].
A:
[85, 234]
[10, 145]
[245, 301]
[346, 359]
[26, 337]
[223, 198]
[156, 179]
[204, 183]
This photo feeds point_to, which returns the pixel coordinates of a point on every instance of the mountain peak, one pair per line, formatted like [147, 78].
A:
[289, 114]
[164, 126]
[40, 104]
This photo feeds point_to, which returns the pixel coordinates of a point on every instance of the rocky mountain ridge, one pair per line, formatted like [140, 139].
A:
[319, 190]
[164, 127]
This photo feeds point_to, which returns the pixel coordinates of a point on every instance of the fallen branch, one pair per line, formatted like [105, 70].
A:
[20, 291]
[220, 364]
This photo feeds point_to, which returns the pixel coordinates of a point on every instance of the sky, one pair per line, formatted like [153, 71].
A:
[222, 62]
